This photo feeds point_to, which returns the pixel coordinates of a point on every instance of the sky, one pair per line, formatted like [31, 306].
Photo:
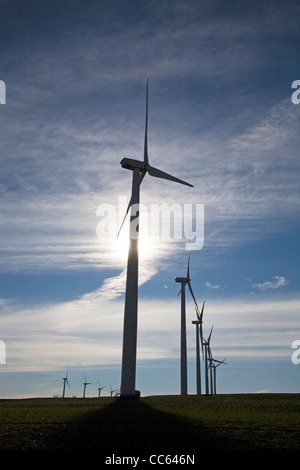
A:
[223, 115]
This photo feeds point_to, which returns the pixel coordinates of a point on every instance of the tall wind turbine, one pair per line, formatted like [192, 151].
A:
[65, 379]
[139, 170]
[183, 354]
[199, 336]
[85, 383]
[100, 389]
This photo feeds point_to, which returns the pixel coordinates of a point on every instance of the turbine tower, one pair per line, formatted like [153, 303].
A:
[183, 354]
[85, 383]
[199, 336]
[139, 170]
[65, 379]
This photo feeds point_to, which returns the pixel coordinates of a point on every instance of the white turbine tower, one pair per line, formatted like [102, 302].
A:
[85, 383]
[199, 339]
[183, 353]
[139, 170]
[65, 379]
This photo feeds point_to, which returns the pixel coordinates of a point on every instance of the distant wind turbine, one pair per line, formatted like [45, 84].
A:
[214, 367]
[112, 391]
[183, 353]
[65, 379]
[199, 338]
[207, 356]
[100, 389]
[85, 383]
[139, 170]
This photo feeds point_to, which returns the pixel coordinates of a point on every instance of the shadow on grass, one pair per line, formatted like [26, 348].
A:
[132, 427]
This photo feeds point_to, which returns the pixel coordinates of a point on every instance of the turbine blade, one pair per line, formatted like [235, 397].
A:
[130, 204]
[210, 334]
[201, 339]
[146, 129]
[201, 314]
[127, 210]
[197, 313]
[179, 292]
[192, 294]
[161, 174]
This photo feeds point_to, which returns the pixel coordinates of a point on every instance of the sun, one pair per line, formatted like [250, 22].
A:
[145, 244]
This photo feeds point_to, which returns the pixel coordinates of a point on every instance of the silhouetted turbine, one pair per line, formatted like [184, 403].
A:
[65, 379]
[85, 383]
[100, 389]
[199, 338]
[206, 359]
[139, 170]
[213, 368]
[183, 350]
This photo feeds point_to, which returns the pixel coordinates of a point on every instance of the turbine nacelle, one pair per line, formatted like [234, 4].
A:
[184, 280]
[131, 164]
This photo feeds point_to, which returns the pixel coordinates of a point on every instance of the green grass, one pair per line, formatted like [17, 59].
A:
[153, 424]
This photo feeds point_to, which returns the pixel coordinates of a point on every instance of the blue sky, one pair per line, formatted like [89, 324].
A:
[220, 117]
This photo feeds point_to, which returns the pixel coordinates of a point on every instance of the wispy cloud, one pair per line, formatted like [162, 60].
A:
[210, 286]
[88, 331]
[279, 281]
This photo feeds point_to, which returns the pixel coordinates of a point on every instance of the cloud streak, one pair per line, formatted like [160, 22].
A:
[279, 281]
[88, 331]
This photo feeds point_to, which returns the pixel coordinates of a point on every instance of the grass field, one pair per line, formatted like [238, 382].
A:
[154, 424]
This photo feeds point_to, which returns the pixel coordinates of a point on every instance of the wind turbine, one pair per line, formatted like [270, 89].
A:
[112, 391]
[214, 367]
[139, 170]
[100, 389]
[183, 354]
[207, 357]
[199, 335]
[65, 379]
[85, 383]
